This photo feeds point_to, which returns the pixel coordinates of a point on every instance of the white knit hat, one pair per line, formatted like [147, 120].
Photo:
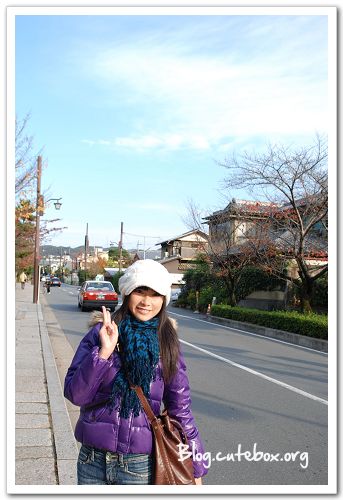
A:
[146, 273]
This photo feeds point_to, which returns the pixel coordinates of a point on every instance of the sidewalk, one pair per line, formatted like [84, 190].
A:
[46, 451]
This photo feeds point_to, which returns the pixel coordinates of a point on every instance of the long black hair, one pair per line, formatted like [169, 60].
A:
[168, 339]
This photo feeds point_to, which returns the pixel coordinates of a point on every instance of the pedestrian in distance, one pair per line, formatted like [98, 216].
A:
[138, 344]
[22, 279]
[47, 285]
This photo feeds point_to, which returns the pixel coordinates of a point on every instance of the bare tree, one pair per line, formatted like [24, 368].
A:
[25, 191]
[295, 182]
[232, 242]
[25, 159]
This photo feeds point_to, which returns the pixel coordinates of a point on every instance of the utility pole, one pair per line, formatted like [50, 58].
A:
[86, 250]
[37, 237]
[60, 259]
[120, 245]
[63, 265]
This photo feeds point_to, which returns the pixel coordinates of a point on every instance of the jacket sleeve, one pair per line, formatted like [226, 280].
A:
[88, 370]
[177, 400]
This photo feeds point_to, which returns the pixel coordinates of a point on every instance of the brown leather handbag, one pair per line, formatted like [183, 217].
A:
[168, 434]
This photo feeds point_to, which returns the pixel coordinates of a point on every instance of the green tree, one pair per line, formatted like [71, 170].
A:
[113, 253]
[82, 275]
[199, 277]
[114, 280]
[254, 279]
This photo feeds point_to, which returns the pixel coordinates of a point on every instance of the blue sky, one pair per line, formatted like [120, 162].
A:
[134, 112]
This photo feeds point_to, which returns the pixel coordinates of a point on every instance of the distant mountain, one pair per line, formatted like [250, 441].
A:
[150, 254]
[75, 251]
[58, 250]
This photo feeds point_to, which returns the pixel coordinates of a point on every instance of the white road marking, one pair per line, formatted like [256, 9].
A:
[249, 333]
[65, 289]
[259, 374]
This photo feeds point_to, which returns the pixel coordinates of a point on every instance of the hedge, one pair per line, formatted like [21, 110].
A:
[311, 325]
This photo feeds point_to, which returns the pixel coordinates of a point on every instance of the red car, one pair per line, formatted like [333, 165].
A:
[94, 294]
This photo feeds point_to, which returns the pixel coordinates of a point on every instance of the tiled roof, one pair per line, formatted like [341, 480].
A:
[182, 236]
[245, 207]
[313, 244]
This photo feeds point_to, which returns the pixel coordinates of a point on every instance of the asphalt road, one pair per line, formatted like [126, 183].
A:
[249, 394]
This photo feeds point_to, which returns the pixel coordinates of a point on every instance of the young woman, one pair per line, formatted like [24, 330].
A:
[139, 344]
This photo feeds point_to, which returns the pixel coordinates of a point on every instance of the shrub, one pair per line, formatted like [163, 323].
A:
[196, 279]
[312, 325]
[114, 280]
[191, 299]
[82, 275]
[319, 300]
[207, 294]
[210, 285]
[320, 292]
[253, 278]
[187, 298]
[205, 297]
[181, 301]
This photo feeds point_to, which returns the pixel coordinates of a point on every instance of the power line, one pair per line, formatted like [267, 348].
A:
[143, 236]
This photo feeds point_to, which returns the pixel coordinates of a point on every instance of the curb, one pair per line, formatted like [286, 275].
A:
[65, 444]
[292, 338]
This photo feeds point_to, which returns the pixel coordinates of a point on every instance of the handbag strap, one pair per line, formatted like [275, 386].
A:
[144, 402]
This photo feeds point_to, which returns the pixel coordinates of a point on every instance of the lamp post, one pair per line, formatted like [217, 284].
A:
[86, 250]
[39, 213]
[121, 246]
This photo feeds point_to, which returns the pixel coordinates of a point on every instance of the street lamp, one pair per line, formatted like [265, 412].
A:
[39, 212]
[57, 203]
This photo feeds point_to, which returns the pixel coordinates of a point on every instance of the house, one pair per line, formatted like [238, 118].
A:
[186, 245]
[245, 224]
[178, 253]
[109, 272]
[92, 257]
[244, 220]
[99, 253]
[238, 220]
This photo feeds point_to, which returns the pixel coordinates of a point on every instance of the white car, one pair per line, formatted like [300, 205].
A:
[175, 295]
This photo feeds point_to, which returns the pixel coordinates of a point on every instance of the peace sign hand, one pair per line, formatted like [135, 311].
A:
[108, 335]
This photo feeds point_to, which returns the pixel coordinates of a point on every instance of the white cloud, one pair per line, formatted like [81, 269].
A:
[178, 88]
[101, 142]
[87, 141]
[145, 143]
[164, 141]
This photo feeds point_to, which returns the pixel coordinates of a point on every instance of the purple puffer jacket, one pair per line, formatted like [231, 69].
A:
[89, 380]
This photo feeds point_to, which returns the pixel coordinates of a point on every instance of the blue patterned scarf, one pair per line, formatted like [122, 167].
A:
[139, 352]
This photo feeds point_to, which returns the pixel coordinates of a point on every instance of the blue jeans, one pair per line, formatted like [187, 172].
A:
[96, 466]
